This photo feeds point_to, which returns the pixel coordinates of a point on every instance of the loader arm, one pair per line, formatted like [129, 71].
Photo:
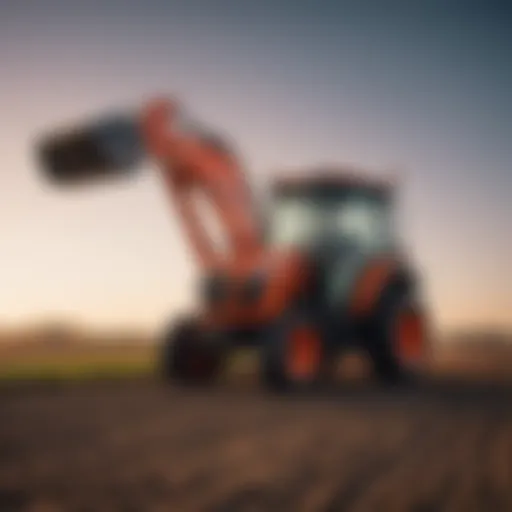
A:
[191, 166]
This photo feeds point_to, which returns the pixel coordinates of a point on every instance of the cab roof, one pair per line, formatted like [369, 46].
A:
[340, 176]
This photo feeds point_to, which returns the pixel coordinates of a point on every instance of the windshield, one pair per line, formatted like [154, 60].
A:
[294, 222]
[353, 219]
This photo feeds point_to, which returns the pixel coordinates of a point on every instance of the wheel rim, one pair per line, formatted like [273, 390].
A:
[304, 353]
[410, 336]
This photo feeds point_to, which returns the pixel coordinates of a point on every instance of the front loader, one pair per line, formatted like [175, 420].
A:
[319, 271]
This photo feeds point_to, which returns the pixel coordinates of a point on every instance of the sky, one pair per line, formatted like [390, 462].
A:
[421, 87]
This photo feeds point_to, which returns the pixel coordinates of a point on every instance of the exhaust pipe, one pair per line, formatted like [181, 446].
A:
[110, 147]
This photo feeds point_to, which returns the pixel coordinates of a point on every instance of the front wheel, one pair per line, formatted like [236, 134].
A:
[397, 338]
[190, 355]
[293, 354]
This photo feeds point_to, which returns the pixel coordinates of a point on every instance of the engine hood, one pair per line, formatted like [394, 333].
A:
[261, 288]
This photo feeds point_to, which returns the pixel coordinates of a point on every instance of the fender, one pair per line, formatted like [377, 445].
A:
[372, 281]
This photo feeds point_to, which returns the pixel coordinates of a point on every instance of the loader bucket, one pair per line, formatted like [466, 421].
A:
[110, 147]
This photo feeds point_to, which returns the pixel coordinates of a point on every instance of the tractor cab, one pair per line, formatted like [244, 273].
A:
[328, 209]
[340, 220]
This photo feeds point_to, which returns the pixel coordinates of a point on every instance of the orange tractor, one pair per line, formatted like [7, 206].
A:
[321, 270]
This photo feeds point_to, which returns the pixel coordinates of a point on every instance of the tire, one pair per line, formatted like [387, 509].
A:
[397, 337]
[292, 355]
[190, 355]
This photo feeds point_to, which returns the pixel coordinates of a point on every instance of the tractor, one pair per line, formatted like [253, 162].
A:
[318, 270]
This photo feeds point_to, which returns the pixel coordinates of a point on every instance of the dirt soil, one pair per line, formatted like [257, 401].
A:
[139, 446]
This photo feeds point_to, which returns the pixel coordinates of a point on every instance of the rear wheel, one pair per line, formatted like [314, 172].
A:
[190, 355]
[293, 354]
[397, 338]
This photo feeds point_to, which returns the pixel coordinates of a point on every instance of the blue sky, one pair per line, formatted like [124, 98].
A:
[419, 86]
